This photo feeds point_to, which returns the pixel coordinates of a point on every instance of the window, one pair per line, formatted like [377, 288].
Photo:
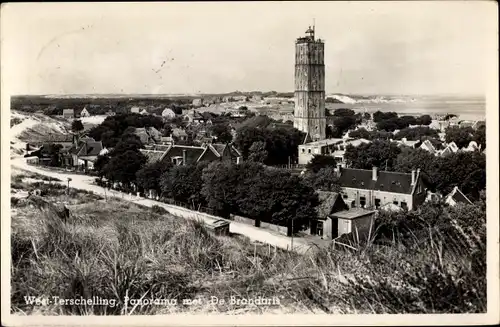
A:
[308, 150]
[377, 203]
[395, 202]
[404, 205]
[345, 196]
[303, 151]
[353, 204]
[362, 201]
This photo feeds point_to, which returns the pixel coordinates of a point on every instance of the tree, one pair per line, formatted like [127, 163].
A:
[260, 193]
[479, 137]
[281, 143]
[343, 112]
[379, 153]
[389, 125]
[77, 126]
[222, 132]
[219, 181]
[408, 120]
[258, 152]
[100, 164]
[148, 177]
[319, 161]
[449, 116]
[424, 120]
[167, 129]
[361, 133]
[460, 169]
[379, 116]
[462, 136]
[416, 133]
[127, 142]
[184, 184]
[410, 159]
[51, 151]
[123, 167]
[326, 179]
[329, 132]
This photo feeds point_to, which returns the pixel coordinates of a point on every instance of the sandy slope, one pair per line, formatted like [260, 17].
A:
[33, 128]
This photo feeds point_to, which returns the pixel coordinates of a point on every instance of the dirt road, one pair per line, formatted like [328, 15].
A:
[83, 182]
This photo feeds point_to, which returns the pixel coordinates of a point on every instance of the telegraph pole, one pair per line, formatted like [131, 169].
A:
[67, 193]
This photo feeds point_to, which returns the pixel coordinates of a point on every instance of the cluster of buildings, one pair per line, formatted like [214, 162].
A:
[363, 192]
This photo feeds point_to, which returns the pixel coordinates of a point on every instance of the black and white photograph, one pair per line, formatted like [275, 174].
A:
[250, 162]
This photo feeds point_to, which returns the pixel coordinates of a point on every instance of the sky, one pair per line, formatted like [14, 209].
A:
[172, 48]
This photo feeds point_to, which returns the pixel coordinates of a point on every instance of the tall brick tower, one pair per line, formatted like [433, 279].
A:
[309, 114]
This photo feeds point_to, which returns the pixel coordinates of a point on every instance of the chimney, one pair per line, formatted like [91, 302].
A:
[183, 157]
[374, 173]
[413, 178]
[404, 140]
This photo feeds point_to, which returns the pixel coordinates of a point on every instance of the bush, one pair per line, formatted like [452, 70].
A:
[158, 210]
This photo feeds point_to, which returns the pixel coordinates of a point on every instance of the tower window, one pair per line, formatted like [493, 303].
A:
[362, 201]
[308, 150]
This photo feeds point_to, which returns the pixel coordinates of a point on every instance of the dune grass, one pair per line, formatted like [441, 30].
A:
[116, 250]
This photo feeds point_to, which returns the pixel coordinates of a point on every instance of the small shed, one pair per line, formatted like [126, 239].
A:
[219, 227]
[68, 113]
[358, 221]
[329, 203]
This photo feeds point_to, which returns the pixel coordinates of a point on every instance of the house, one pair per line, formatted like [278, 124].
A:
[356, 222]
[68, 113]
[240, 98]
[84, 113]
[135, 110]
[323, 147]
[332, 147]
[83, 153]
[167, 140]
[456, 196]
[427, 146]
[373, 188]
[197, 102]
[168, 113]
[329, 203]
[472, 147]
[450, 148]
[193, 117]
[405, 142]
[257, 98]
[66, 141]
[148, 135]
[179, 134]
[186, 155]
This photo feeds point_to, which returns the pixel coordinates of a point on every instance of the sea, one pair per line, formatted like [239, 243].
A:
[466, 108]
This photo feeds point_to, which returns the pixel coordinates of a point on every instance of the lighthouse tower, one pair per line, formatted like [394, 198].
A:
[309, 113]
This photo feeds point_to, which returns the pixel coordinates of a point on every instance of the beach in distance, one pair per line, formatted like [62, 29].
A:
[465, 107]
